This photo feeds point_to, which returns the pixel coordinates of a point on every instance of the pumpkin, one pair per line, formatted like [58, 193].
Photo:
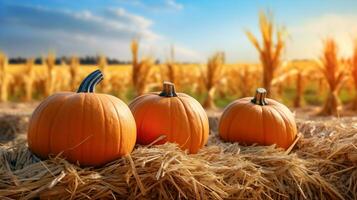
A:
[177, 116]
[258, 120]
[85, 127]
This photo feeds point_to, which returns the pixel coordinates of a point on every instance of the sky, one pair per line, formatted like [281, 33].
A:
[196, 28]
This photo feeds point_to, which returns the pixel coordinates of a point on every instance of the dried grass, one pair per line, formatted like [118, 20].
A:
[321, 166]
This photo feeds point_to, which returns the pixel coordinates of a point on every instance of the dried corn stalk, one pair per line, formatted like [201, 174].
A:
[50, 63]
[173, 73]
[73, 71]
[299, 90]
[4, 77]
[269, 51]
[211, 76]
[247, 84]
[141, 69]
[29, 79]
[334, 75]
[354, 74]
[103, 66]
[120, 82]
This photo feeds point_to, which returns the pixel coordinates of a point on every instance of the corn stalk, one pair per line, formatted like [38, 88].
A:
[353, 64]
[172, 69]
[29, 79]
[74, 72]
[50, 62]
[334, 75]
[245, 83]
[211, 76]
[141, 69]
[4, 77]
[269, 51]
[103, 66]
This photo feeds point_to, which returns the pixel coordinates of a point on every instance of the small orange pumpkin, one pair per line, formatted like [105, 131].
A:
[176, 115]
[258, 120]
[86, 127]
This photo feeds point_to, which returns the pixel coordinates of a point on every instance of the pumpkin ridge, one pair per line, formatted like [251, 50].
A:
[70, 146]
[197, 106]
[82, 124]
[54, 119]
[276, 135]
[170, 114]
[43, 104]
[226, 125]
[229, 131]
[282, 116]
[189, 125]
[56, 114]
[265, 112]
[285, 136]
[202, 141]
[67, 152]
[287, 121]
[146, 109]
[263, 126]
[105, 148]
[135, 101]
[120, 124]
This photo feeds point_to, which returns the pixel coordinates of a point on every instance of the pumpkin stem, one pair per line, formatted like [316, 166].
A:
[89, 83]
[168, 90]
[260, 96]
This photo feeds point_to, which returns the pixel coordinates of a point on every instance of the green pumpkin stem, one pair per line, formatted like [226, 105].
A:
[259, 98]
[89, 83]
[168, 90]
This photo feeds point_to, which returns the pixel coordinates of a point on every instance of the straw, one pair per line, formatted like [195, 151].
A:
[320, 165]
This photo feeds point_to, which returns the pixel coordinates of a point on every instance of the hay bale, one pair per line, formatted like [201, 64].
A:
[317, 168]
[213, 119]
[11, 125]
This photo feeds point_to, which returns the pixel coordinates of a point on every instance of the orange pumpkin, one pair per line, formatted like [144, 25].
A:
[176, 115]
[258, 120]
[85, 127]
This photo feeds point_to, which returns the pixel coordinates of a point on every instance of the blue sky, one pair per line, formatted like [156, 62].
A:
[196, 28]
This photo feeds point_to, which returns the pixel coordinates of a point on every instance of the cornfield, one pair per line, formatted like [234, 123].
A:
[211, 83]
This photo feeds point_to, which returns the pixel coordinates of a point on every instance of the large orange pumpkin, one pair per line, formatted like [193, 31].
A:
[258, 120]
[86, 127]
[176, 115]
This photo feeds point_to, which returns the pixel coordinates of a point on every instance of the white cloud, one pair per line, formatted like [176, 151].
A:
[34, 30]
[173, 4]
[29, 30]
[306, 39]
[122, 14]
[156, 5]
[182, 53]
